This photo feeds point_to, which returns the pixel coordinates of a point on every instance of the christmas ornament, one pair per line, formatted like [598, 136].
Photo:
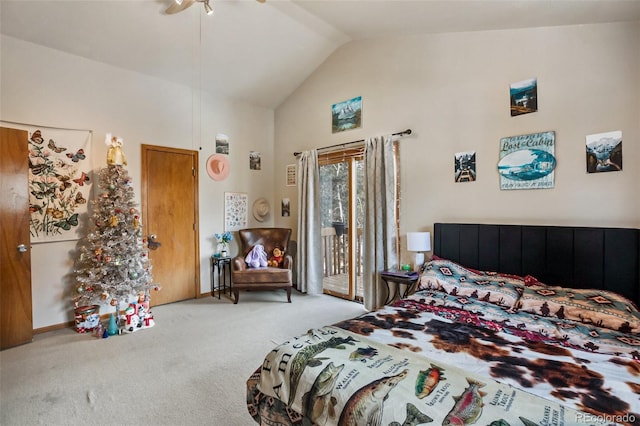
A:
[113, 327]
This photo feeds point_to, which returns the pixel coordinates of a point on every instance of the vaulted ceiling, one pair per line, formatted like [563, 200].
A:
[262, 51]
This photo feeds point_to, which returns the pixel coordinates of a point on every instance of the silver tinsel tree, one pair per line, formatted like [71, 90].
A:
[113, 262]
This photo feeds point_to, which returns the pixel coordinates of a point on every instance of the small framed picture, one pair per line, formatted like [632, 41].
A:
[346, 115]
[465, 166]
[604, 152]
[292, 170]
[286, 207]
[524, 97]
[222, 144]
[254, 160]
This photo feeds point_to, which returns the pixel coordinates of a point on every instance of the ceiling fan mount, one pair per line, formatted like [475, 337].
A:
[180, 5]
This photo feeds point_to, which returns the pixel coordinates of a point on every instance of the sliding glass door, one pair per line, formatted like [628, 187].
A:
[342, 218]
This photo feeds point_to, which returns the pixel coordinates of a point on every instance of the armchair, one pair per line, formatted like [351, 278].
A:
[269, 278]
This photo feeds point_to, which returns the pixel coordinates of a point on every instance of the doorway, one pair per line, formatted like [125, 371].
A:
[342, 220]
[170, 217]
[16, 314]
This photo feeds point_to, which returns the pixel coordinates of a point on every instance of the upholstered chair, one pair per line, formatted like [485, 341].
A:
[266, 278]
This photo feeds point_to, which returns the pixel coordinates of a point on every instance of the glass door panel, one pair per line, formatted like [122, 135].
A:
[341, 205]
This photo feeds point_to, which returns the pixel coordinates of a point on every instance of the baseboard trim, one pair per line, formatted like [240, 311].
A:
[72, 324]
[48, 328]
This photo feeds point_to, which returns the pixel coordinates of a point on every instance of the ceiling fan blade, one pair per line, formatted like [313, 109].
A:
[175, 7]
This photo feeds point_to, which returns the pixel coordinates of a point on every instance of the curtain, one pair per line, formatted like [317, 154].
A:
[379, 239]
[309, 258]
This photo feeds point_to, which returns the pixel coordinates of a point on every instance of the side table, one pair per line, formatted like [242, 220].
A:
[409, 279]
[223, 266]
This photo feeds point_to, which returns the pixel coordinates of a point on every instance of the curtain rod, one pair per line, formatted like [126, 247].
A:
[402, 133]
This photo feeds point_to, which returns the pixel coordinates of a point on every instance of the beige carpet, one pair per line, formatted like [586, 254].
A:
[190, 369]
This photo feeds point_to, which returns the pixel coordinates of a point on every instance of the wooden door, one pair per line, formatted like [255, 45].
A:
[170, 211]
[16, 321]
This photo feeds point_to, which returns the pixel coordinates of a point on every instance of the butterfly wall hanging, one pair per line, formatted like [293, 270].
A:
[59, 182]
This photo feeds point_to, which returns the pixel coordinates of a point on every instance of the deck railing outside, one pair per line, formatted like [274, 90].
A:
[336, 258]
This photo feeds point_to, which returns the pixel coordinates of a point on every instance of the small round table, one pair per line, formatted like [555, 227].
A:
[408, 279]
[223, 266]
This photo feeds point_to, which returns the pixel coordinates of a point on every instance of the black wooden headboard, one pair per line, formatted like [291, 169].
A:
[577, 257]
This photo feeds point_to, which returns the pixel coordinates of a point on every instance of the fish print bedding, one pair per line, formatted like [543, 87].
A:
[454, 357]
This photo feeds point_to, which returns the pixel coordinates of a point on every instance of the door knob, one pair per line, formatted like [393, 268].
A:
[152, 243]
[22, 248]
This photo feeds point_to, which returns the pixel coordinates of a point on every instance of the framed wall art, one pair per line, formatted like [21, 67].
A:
[286, 207]
[292, 170]
[524, 97]
[527, 161]
[254, 160]
[346, 115]
[465, 166]
[604, 152]
[222, 144]
[236, 210]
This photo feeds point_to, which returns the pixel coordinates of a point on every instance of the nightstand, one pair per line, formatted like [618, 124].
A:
[223, 267]
[399, 278]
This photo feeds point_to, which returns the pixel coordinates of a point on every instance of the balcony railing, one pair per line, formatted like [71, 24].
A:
[335, 251]
[336, 259]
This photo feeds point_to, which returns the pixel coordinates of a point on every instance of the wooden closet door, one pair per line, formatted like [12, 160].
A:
[16, 322]
[170, 211]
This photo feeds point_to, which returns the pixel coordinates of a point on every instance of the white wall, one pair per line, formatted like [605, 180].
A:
[46, 87]
[452, 90]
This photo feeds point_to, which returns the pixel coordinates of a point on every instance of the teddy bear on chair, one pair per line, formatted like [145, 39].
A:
[276, 260]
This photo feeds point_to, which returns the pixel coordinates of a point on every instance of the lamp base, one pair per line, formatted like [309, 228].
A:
[419, 261]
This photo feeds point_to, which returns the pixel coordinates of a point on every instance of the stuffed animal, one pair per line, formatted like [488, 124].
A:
[276, 260]
[257, 257]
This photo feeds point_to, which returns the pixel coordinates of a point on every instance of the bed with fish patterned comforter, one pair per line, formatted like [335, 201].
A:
[448, 359]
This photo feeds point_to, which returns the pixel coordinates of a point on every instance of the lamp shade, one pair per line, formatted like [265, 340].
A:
[418, 241]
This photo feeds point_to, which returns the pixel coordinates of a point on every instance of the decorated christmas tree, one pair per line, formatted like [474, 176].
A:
[113, 266]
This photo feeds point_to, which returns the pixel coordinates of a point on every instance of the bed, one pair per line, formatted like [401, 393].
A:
[509, 325]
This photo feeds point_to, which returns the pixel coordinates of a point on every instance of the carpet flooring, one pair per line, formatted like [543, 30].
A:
[190, 369]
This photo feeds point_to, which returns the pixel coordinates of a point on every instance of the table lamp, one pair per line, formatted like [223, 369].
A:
[419, 242]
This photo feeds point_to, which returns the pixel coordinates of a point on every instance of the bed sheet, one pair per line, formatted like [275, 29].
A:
[484, 352]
